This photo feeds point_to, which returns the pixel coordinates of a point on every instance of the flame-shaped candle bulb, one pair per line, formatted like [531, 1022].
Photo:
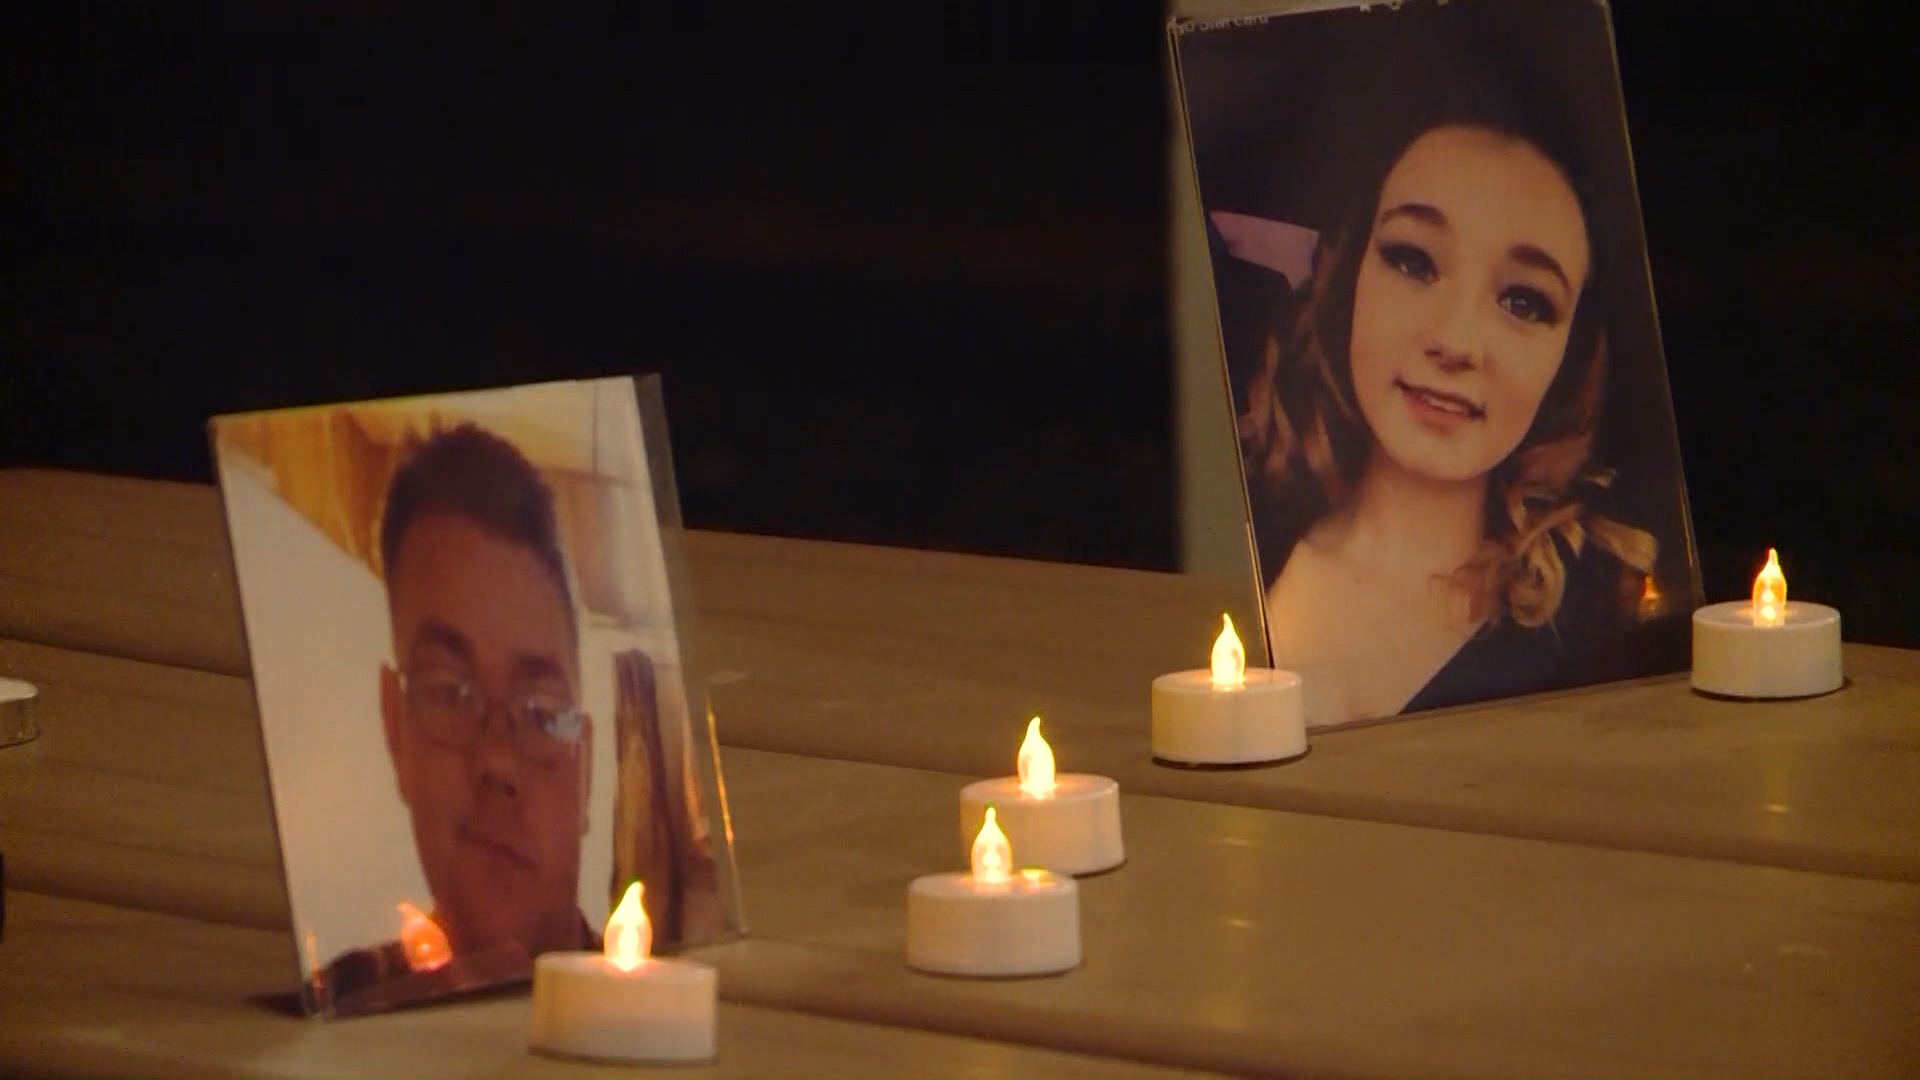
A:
[622, 1003]
[1762, 648]
[992, 858]
[1034, 763]
[1227, 714]
[1068, 823]
[1229, 657]
[629, 937]
[422, 940]
[1770, 593]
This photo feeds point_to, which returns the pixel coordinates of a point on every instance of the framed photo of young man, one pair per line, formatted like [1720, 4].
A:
[465, 627]
[1437, 323]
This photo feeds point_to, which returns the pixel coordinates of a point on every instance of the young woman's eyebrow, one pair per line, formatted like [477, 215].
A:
[1537, 258]
[1421, 212]
[1529, 255]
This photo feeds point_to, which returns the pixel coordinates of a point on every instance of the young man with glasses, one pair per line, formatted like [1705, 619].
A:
[481, 711]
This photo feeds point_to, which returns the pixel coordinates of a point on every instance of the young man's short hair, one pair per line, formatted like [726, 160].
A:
[475, 475]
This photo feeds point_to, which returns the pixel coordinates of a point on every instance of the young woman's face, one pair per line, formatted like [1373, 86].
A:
[1464, 300]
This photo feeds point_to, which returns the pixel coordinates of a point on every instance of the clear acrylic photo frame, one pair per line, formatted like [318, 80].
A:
[304, 494]
[1274, 107]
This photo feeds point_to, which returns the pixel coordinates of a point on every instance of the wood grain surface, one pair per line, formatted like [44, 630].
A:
[92, 990]
[933, 660]
[1236, 939]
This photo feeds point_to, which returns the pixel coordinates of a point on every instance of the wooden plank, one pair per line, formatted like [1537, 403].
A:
[101, 564]
[1822, 784]
[147, 788]
[932, 660]
[91, 990]
[133, 568]
[1234, 939]
[1252, 941]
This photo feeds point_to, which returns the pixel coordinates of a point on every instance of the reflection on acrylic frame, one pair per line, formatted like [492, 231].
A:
[468, 621]
[1437, 324]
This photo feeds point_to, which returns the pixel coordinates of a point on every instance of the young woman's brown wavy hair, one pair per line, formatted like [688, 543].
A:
[1306, 443]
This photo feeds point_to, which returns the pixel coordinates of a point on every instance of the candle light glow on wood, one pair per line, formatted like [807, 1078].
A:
[1765, 647]
[1066, 822]
[621, 1003]
[1228, 715]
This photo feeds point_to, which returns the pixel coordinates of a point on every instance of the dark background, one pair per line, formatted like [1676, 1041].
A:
[904, 268]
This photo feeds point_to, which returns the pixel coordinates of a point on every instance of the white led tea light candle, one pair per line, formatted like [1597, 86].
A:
[622, 1004]
[1068, 823]
[1228, 715]
[16, 711]
[993, 922]
[1766, 647]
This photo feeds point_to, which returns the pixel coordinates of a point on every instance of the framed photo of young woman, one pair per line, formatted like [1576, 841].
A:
[1438, 331]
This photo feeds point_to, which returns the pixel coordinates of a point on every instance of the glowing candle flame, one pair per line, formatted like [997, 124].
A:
[629, 937]
[1651, 599]
[1229, 658]
[1035, 763]
[992, 855]
[316, 971]
[422, 940]
[1770, 593]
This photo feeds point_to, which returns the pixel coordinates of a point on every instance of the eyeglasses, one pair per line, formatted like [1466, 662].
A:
[450, 710]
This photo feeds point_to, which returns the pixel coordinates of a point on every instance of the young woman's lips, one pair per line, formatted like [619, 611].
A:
[1438, 409]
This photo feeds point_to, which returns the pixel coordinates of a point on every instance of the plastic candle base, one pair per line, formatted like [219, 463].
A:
[1025, 925]
[1734, 655]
